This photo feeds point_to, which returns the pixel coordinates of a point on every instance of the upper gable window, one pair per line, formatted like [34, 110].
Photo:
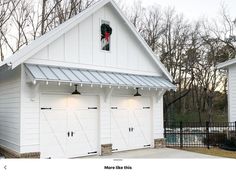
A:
[106, 32]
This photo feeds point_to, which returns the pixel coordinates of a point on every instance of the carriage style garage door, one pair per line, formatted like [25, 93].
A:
[68, 126]
[130, 123]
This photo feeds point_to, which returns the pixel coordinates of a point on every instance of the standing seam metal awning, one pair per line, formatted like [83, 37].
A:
[82, 76]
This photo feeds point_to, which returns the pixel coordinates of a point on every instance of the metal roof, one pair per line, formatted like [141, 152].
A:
[82, 76]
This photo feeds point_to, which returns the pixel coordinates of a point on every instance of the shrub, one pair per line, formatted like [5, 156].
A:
[216, 139]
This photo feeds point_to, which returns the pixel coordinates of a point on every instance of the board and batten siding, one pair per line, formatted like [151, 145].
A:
[81, 47]
[232, 93]
[10, 109]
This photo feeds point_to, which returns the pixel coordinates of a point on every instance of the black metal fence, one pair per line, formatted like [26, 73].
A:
[194, 134]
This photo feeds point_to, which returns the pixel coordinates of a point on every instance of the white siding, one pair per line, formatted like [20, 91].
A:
[57, 50]
[85, 41]
[80, 47]
[42, 54]
[72, 45]
[104, 122]
[10, 109]
[232, 93]
[29, 116]
[158, 124]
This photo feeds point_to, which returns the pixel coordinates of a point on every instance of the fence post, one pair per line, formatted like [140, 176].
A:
[207, 135]
[165, 129]
[235, 128]
[181, 134]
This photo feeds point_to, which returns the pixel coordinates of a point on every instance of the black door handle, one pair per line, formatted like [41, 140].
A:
[131, 129]
[68, 134]
[72, 133]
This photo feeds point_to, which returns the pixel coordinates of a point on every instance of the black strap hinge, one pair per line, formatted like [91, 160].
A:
[92, 107]
[46, 108]
[94, 152]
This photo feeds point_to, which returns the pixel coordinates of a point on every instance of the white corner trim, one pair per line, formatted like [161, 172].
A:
[35, 91]
[160, 95]
[108, 93]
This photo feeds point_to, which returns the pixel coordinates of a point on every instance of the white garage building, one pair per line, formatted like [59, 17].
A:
[116, 80]
[230, 66]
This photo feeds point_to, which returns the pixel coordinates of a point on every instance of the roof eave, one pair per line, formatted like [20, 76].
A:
[5, 67]
[226, 64]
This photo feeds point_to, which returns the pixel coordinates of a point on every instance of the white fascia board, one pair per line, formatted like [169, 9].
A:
[38, 44]
[226, 64]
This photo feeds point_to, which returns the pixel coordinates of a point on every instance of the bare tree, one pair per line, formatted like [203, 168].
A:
[7, 7]
[153, 27]
[22, 21]
[55, 12]
[136, 14]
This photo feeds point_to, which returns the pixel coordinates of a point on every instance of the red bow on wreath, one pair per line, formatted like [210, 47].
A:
[106, 31]
[107, 36]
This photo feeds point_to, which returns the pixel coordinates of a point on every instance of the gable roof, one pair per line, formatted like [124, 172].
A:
[41, 42]
[226, 64]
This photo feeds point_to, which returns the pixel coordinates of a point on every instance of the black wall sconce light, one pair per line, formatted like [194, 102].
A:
[137, 93]
[76, 92]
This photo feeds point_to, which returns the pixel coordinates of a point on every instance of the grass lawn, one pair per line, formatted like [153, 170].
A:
[213, 151]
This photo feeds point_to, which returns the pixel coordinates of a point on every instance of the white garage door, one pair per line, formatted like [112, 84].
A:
[68, 126]
[130, 123]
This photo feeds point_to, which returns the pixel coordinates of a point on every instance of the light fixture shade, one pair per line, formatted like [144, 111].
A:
[76, 92]
[137, 94]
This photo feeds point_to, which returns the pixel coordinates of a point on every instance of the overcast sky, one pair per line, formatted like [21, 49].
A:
[194, 9]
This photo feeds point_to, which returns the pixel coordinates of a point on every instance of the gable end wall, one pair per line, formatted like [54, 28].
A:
[81, 47]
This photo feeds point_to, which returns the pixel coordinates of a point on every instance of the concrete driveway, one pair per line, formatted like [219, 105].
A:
[163, 153]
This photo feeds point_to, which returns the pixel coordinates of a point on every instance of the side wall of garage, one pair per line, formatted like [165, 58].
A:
[10, 110]
[29, 115]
